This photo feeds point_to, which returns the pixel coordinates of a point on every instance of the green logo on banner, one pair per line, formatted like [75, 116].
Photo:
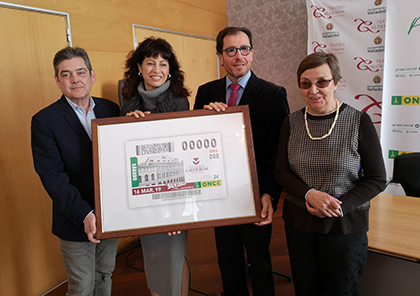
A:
[134, 172]
[396, 100]
[406, 100]
[393, 153]
[414, 23]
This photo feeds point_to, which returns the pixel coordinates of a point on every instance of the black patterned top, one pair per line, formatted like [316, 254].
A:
[347, 164]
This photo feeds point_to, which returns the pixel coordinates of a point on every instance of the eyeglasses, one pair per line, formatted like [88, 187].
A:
[322, 83]
[231, 51]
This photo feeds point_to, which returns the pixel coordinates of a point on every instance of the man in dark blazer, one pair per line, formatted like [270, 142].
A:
[62, 152]
[268, 107]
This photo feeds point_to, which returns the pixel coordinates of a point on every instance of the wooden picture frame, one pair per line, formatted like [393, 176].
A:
[174, 171]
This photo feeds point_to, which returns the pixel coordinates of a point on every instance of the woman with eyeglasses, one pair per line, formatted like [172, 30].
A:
[330, 163]
[154, 83]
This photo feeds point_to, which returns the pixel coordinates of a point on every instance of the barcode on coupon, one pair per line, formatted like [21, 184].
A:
[176, 194]
[156, 148]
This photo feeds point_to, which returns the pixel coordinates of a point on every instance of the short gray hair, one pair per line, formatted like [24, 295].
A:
[68, 53]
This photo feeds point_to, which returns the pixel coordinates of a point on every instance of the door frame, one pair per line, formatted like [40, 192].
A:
[47, 11]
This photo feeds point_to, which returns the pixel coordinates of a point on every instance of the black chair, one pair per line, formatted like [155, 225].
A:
[407, 173]
[120, 96]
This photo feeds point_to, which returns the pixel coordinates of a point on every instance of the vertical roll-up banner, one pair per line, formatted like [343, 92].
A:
[401, 94]
[354, 30]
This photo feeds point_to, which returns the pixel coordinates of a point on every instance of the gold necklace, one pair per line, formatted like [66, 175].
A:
[332, 126]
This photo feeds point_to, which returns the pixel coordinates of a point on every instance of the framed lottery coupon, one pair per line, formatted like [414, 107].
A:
[174, 171]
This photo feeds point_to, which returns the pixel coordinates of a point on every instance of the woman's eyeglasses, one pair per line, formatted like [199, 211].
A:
[322, 83]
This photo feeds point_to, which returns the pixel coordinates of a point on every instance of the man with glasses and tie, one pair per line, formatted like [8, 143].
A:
[268, 107]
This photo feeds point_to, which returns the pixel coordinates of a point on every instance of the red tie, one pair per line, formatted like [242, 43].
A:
[233, 98]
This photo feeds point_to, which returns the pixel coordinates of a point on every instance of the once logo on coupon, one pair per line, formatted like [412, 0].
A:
[406, 100]
[211, 183]
[196, 160]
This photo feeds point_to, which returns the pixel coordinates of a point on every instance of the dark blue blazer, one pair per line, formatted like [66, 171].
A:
[267, 107]
[62, 154]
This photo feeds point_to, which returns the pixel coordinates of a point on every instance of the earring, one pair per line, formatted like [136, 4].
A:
[139, 74]
[169, 75]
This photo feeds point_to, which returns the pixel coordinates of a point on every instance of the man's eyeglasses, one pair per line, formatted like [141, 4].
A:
[231, 51]
[322, 83]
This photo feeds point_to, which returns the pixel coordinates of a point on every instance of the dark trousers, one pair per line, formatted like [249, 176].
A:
[230, 243]
[326, 264]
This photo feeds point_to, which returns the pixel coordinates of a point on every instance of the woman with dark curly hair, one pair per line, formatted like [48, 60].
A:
[154, 83]
[153, 80]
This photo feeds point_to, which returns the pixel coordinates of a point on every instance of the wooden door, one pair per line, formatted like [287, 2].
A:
[29, 254]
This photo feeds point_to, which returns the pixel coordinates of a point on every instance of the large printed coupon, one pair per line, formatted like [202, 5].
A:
[175, 169]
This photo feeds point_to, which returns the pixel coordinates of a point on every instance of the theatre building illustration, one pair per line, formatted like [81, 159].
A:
[160, 170]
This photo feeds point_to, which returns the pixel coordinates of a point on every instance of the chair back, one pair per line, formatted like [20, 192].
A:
[407, 173]
[120, 96]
